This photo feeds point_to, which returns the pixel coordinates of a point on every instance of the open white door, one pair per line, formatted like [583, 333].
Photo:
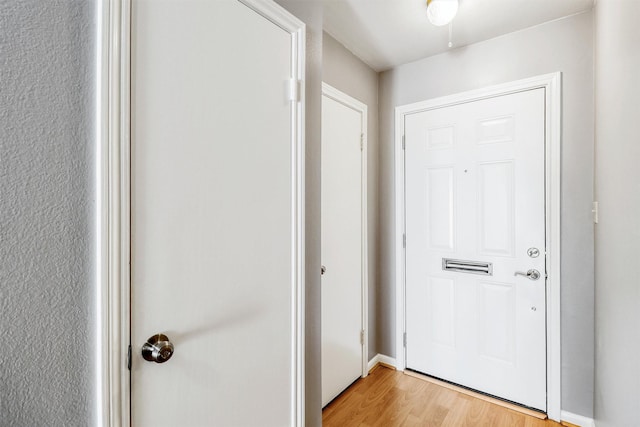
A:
[475, 245]
[216, 213]
[343, 242]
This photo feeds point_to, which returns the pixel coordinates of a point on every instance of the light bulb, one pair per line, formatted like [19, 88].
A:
[441, 12]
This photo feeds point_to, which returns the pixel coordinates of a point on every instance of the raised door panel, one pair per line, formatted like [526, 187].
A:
[496, 208]
[440, 214]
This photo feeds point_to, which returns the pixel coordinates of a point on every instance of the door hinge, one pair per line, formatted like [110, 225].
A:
[362, 142]
[404, 241]
[404, 340]
[294, 90]
[362, 337]
[129, 357]
[594, 210]
[403, 142]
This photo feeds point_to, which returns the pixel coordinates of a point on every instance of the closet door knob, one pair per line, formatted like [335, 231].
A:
[157, 349]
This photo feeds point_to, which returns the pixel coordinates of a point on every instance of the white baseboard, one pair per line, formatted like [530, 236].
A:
[578, 420]
[381, 358]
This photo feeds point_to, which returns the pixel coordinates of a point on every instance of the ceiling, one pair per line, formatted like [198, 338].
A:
[387, 33]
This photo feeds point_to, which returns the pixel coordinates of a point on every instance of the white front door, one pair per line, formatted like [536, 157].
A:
[342, 245]
[475, 216]
[215, 261]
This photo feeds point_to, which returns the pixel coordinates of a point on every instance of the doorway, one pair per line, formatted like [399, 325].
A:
[471, 301]
[344, 241]
[203, 214]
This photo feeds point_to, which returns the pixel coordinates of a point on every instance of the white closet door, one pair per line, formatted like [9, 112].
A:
[213, 215]
[341, 247]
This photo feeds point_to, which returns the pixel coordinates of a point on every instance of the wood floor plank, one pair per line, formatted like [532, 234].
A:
[427, 408]
[457, 413]
[477, 395]
[479, 414]
[388, 398]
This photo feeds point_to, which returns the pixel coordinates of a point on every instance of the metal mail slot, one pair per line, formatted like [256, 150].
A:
[471, 267]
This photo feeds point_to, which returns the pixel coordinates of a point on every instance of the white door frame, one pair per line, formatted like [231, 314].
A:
[341, 97]
[113, 177]
[552, 85]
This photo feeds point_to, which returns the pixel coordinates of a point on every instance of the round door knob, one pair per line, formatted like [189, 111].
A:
[157, 349]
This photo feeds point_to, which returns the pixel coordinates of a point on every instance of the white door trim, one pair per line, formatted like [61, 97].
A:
[552, 85]
[112, 333]
[341, 97]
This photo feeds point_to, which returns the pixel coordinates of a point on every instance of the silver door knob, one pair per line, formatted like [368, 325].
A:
[157, 349]
[323, 270]
[530, 274]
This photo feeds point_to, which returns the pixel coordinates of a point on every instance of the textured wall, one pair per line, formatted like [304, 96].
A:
[564, 45]
[47, 200]
[347, 73]
[618, 231]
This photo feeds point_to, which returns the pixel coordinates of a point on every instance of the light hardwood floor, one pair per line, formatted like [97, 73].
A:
[389, 398]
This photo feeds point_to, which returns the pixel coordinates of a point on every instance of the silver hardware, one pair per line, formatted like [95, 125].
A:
[594, 211]
[157, 349]
[530, 274]
[361, 141]
[404, 339]
[403, 142]
[323, 270]
[404, 240]
[533, 309]
[472, 267]
[362, 337]
[533, 252]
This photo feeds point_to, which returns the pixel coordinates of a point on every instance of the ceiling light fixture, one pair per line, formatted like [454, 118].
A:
[441, 12]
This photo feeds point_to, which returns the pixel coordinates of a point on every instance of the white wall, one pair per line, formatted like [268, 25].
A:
[618, 232]
[565, 45]
[347, 73]
[47, 222]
